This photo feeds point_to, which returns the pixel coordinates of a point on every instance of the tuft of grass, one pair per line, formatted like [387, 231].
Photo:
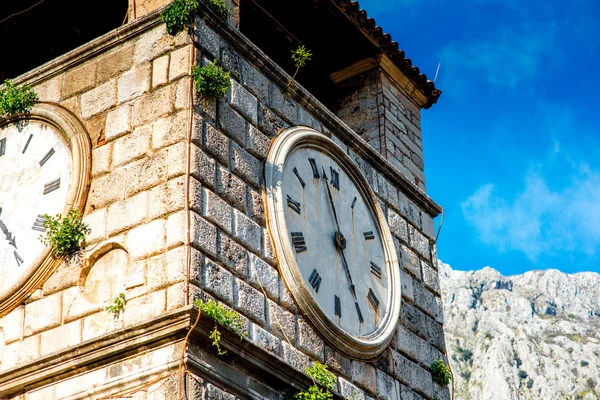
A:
[224, 317]
[440, 372]
[16, 99]
[64, 234]
[178, 14]
[212, 81]
[219, 7]
[118, 305]
[320, 376]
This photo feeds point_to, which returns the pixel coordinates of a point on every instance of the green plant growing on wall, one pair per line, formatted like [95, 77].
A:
[64, 234]
[118, 305]
[16, 99]
[223, 316]
[178, 14]
[211, 80]
[440, 372]
[320, 376]
[300, 56]
[219, 7]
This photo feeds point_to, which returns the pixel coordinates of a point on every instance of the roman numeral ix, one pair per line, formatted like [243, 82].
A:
[298, 242]
[315, 280]
[293, 204]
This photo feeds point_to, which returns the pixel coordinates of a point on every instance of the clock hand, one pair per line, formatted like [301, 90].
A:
[9, 236]
[340, 241]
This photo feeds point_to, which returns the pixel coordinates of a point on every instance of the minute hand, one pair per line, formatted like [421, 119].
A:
[339, 235]
[9, 236]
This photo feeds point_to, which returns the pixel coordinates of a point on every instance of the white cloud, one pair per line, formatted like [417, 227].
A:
[540, 219]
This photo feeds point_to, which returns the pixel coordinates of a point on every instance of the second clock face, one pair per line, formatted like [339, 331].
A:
[35, 172]
[334, 235]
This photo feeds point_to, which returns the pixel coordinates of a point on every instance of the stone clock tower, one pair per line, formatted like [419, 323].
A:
[299, 204]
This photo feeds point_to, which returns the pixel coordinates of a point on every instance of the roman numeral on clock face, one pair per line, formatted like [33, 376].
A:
[298, 242]
[360, 317]
[376, 270]
[299, 177]
[293, 204]
[38, 225]
[369, 235]
[2, 146]
[51, 186]
[47, 156]
[315, 280]
[373, 300]
[337, 306]
[19, 259]
[335, 178]
[27, 144]
[315, 169]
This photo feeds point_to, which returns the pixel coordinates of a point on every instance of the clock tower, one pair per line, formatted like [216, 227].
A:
[297, 201]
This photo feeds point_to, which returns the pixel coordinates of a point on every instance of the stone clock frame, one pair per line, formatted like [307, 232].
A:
[360, 348]
[77, 140]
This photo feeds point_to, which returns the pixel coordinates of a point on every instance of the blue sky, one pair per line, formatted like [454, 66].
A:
[512, 149]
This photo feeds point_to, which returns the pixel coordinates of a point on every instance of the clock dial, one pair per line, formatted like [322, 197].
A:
[333, 246]
[35, 167]
[334, 235]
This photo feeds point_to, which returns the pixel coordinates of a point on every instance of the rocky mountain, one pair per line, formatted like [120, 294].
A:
[530, 336]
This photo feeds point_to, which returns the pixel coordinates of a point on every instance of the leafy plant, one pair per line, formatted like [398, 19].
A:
[219, 7]
[211, 80]
[118, 305]
[300, 56]
[178, 14]
[223, 316]
[440, 372]
[529, 383]
[64, 234]
[321, 376]
[522, 374]
[16, 99]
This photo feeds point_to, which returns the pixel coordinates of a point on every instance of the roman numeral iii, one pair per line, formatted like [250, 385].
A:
[315, 280]
[298, 242]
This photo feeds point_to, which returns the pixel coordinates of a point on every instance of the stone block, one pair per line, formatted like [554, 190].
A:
[160, 71]
[60, 338]
[145, 307]
[348, 391]
[435, 334]
[234, 256]
[268, 252]
[203, 167]
[257, 143]
[101, 159]
[283, 106]
[216, 144]
[127, 213]
[77, 305]
[96, 221]
[246, 231]
[79, 79]
[308, 341]
[427, 301]
[152, 44]
[50, 90]
[176, 296]
[408, 260]
[115, 63]
[254, 81]
[217, 211]
[431, 278]
[231, 123]
[414, 320]
[412, 346]
[99, 99]
[419, 242]
[363, 375]
[269, 122]
[249, 301]
[145, 173]
[255, 207]
[409, 210]
[98, 324]
[134, 83]
[214, 393]
[398, 225]
[264, 339]
[217, 281]
[63, 277]
[175, 228]
[132, 147]
[407, 394]
[118, 122]
[286, 299]
[167, 198]
[387, 191]
[337, 363]
[263, 275]
[441, 392]
[147, 239]
[176, 160]
[294, 357]
[153, 106]
[183, 91]
[203, 235]
[206, 38]
[387, 387]
[245, 166]
[407, 286]
[180, 63]
[280, 322]
[166, 269]
[12, 325]
[231, 188]
[305, 118]
[243, 101]
[43, 314]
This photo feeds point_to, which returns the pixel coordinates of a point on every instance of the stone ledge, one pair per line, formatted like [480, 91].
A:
[170, 327]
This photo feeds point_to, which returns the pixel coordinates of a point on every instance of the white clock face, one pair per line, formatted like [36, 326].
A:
[35, 172]
[335, 241]
[333, 246]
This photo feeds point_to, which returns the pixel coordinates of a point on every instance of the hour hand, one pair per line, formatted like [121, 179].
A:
[9, 236]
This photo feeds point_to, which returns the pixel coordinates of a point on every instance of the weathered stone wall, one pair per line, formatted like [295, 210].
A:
[134, 100]
[384, 115]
